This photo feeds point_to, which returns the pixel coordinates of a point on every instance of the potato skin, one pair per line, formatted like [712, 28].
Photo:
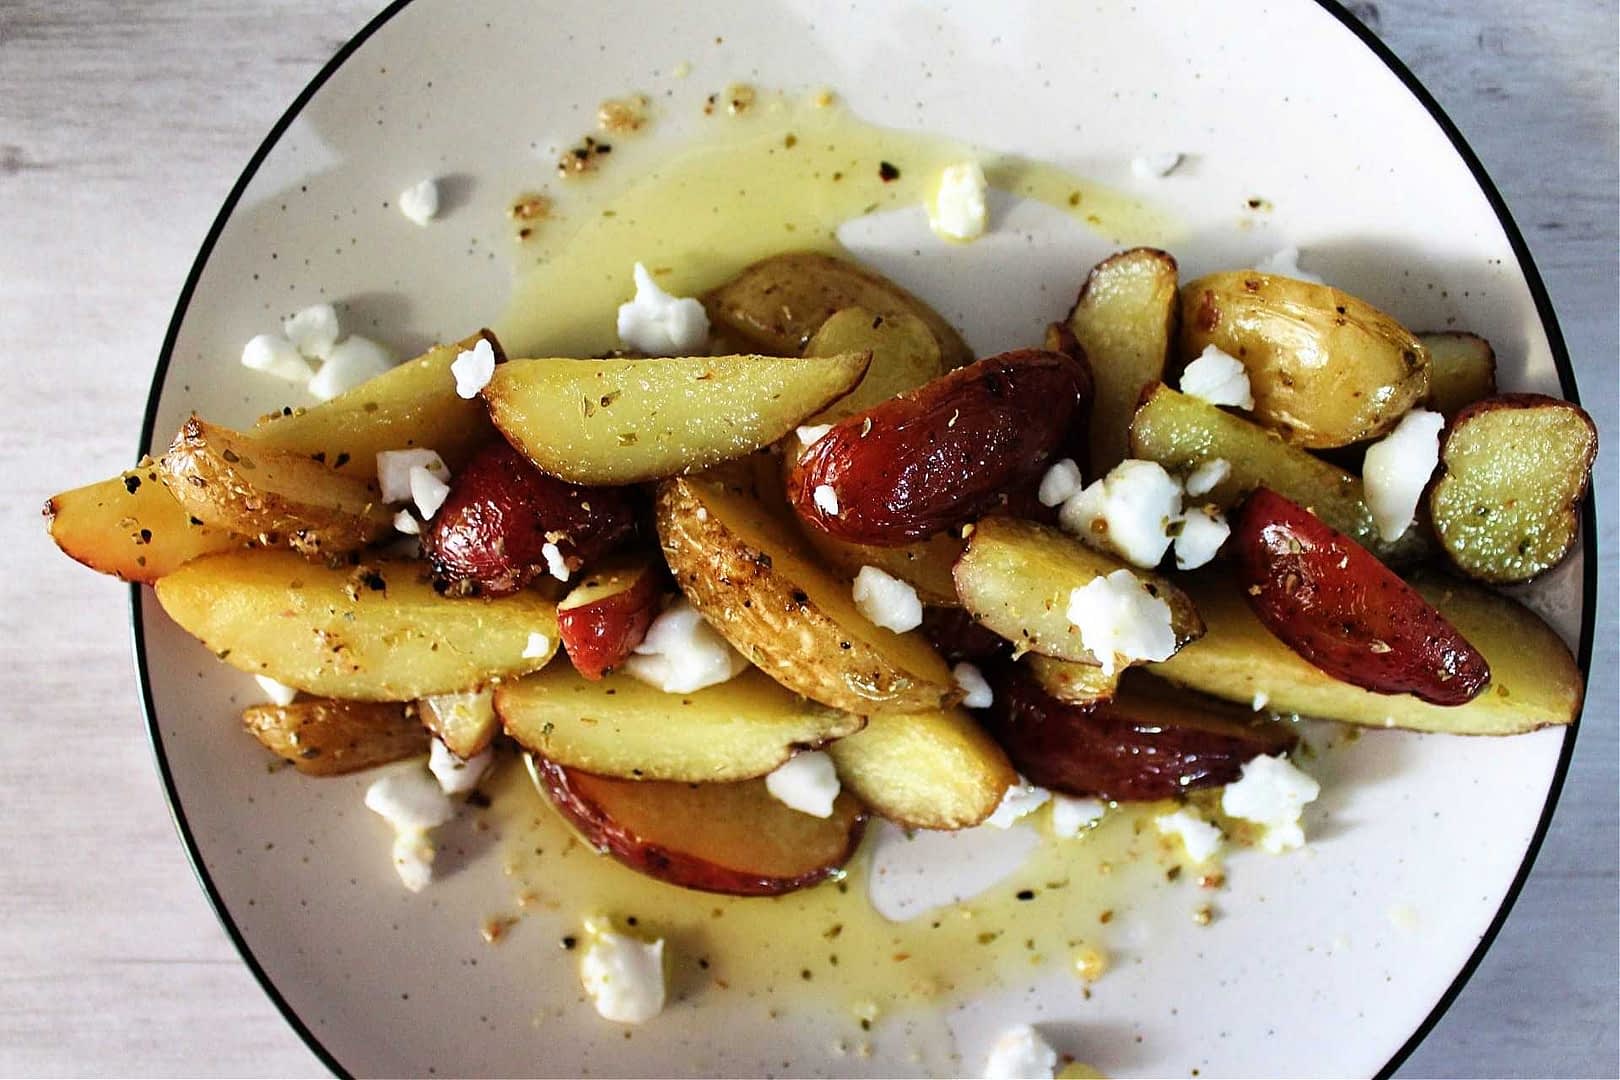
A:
[490, 534]
[606, 616]
[939, 456]
[328, 737]
[1342, 610]
[958, 636]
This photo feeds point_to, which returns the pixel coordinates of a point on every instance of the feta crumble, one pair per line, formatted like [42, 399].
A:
[556, 565]
[537, 646]
[1397, 468]
[313, 330]
[1203, 531]
[1285, 263]
[659, 324]
[1128, 512]
[807, 782]
[1155, 166]
[427, 491]
[957, 210]
[275, 355]
[1021, 800]
[1219, 378]
[1272, 793]
[811, 434]
[1071, 816]
[973, 684]
[457, 776]
[394, 472]
[1021, 1054]
[682, 653]
[420, 201]
[1200, 839]
[278, 693]
[410, 800]
[1061, 482]
[405, 522]
[1121, 622]
[473, 368]
[1261, 700]
[887, 601]
[826, 499]
[351, 362]
[1203, 480]
[622, 975]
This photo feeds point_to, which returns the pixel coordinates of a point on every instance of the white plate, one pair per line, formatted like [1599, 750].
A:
[1307, 972]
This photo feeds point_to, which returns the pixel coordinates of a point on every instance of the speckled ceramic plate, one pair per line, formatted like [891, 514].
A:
[1298, 130]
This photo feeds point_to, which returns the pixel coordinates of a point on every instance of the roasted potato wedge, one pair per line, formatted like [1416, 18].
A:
[1534, 680]
[605, 422]
[736, 838]
[1462, 370]
[1016, 577]
[278, 497]
[754, 578]
[1069, 682]
[933, 770]
[1181, 433]
[1513, 472]
[925, 565]
[324, 737]
[905, 355]
[1326, 369]
[606, 615]
[131, 527]
[780, 302]
[1124, 320]
[374, 632]
[465, 722]
[620, 726]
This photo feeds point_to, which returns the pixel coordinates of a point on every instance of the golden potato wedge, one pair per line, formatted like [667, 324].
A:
[1016, 576]
[278, 497]
[465, 721]
[752, 575]
[905, 354]
[925, 565]
[1182, 432]
[932, 770]
[1326, 369]
[1534, 680]
[620, 726]
[375, 632]
[1070, 682]
[1513, 471]
[779, 302]
[1462, 370]
[1124, 321]
[325, 737]
[624, 421]
[131, 527]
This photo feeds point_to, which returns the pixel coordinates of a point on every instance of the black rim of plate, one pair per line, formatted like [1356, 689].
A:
[1527, 267]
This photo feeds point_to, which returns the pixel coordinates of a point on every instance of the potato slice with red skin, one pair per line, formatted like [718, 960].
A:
[607, 614]
[1148, 741]
[489, 537]
[958, 636]
[1338, 607]
[944, 453]
[722, 838]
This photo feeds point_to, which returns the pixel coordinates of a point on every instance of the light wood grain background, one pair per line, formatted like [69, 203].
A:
[122, 126]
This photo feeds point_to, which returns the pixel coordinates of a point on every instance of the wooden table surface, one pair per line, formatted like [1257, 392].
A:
[122, 126]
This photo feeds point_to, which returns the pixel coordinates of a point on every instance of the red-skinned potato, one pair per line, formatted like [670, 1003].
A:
[942, 454]
[1149, 741]
[606, 615]
[489, 536]
[958, 636]
[724, 838]
[1338, 607]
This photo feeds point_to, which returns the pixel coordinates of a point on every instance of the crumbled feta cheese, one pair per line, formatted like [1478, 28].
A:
[313, 330]
[1071, 815]
[1021, 1054]
[1397, 468]
[1121, 622]
[473, 368]
[1060, 483]
[887, 601]
[405, 522]
[413, 852]
[394, 472]
[682, 653]
[278, 693]
[1272, 793]
[807, 782]
[973, 684]
[538, 645]
[1219, 378]
[659, 324]
[420, 201]
[556, 565]
[275, 355]
[826, 499]
[1202, 480]
[957, 210]
[1203, 531]
[455, 775]
[352, 361]
[428, 492]
[1261, 700]
[1201, 839]
[1021, 800]
[1128, 512]
[1155, 166]
[410, 800]
[1285, 263]
[810, 434]
[622, 975]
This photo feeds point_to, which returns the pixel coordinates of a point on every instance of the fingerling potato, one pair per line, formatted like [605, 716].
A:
[605, 616]
[131, 527]
[930, 770]
[1462, 370]
[326, 737]
[905, 355]
[1070, 682]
